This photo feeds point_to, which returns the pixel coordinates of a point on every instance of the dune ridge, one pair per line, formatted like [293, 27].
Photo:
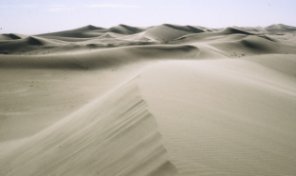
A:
[125, 29]
[92, 37]
[10, 36]
[100, 58]
[120, 138]
[280, 28]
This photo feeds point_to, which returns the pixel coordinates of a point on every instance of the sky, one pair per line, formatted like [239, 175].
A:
[41, 16]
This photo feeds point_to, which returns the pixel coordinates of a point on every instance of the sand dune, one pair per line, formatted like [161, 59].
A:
[231, 30]
[166, 32]
[125, 29]
[249, 45]
[102, 58]
[83, 32]
[124, 128]
[11, 36]
[226, 117]
[279, 28]
[28, 44]
[157, 101]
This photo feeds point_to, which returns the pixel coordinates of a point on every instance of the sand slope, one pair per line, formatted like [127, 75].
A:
[158, 101]
[225, 117]
[119, 138]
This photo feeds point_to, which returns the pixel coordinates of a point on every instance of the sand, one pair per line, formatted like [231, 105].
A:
[157, 101]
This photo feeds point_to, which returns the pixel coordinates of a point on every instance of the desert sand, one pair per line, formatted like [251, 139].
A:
[156, 101]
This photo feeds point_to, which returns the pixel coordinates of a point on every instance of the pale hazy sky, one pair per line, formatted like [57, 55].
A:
[38, 16]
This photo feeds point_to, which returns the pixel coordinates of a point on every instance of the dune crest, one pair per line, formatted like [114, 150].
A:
[280, 28]
[120, 138]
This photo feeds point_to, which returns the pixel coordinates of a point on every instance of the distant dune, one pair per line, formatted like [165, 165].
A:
[280, 28]
[165, 100]
[11, 36]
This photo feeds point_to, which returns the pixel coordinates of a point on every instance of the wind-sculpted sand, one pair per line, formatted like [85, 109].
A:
[157, 101]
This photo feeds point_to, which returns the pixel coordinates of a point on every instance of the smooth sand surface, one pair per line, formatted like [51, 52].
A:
[157, 101]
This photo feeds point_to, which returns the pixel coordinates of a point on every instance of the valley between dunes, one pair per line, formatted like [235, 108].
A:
[158, 101]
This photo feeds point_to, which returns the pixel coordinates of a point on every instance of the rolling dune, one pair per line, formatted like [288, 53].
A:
[157, 101]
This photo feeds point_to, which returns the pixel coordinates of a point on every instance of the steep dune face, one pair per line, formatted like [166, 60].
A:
[120, 138]
[259, 44]
[35, 41]
[253, 30]
[234, 31]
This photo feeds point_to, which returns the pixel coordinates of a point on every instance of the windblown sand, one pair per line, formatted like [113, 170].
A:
[159, 101]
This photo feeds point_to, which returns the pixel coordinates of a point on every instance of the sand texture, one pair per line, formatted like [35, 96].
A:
[166, 100]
